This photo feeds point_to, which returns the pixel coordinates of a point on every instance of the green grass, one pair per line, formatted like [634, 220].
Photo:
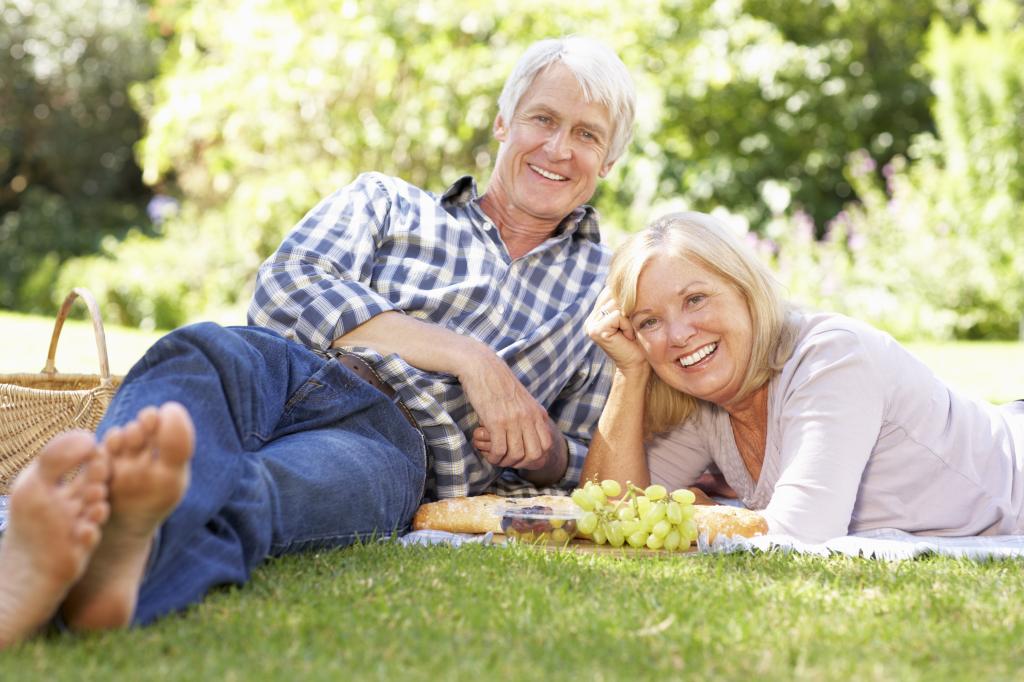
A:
[384, 612]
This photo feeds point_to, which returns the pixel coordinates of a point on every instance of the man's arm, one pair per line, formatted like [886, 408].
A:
[316, 286]
[520, 433]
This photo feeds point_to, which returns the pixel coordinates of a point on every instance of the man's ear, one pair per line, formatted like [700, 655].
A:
[500, 131]
[605, 169]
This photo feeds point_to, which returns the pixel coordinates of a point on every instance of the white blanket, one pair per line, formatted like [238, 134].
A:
[886, 543]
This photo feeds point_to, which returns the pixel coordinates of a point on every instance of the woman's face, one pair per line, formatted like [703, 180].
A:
[695, 328]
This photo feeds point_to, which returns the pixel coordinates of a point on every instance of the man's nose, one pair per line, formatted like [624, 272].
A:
[558, 147]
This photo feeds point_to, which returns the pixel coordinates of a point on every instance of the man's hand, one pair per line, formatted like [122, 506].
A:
[518, 431]
[550, 470]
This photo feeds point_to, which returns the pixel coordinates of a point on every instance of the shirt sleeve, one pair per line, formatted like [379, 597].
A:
[317, 286]
[578, 408]
[677, 458]
[830, 418]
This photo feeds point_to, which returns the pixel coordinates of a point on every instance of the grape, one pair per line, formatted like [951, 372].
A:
[611, 488]
[587, 523]
[627, 513]
[615, 535]
[658, 511]
[688, 512]
[599, 536]
[637, 539]
[673, 540]
[674, 512]
[661, 528]
[655, 492]
[643, 505]
[582, 499]
[654, 542]
[689, 529]
[684, 496]
[631, 526]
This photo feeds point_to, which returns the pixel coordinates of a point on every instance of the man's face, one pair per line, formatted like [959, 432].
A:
[553, 150]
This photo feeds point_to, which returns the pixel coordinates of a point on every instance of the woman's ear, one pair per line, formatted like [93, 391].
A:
[500, 132]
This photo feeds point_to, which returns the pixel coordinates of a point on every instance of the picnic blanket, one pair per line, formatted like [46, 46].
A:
[888, 544]
[883, 543]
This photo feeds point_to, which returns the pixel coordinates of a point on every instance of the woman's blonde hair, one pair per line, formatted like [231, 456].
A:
[705, 240]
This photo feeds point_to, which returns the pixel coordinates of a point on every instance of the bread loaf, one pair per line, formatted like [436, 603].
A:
[728, 521]
[481, 514]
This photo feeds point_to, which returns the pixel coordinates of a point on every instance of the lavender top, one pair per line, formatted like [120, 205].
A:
[862, 435]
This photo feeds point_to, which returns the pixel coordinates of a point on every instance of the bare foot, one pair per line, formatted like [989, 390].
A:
[150, 464]
[54, 529]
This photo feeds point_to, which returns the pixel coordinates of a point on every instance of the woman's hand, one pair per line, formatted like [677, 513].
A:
[610, 330]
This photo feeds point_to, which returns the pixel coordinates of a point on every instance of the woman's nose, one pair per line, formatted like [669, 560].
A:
[681, 330]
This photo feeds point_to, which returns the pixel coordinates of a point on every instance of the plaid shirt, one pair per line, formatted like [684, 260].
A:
[381, 244]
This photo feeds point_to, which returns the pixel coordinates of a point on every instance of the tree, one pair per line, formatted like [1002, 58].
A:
[67, 170]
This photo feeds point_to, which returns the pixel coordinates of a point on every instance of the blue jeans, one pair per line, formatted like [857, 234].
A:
[293, 452]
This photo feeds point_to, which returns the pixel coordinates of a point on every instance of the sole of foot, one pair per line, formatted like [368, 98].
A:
[150, 464]
[55, 525]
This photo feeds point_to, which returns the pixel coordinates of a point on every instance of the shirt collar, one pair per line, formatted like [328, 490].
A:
[582, 220]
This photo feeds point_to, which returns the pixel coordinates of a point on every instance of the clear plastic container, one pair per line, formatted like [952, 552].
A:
[538, 524]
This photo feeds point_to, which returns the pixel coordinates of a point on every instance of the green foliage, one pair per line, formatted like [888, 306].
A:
[937, 250]
[765, 101]
[259, 112]
[67, 170]
[750, 106]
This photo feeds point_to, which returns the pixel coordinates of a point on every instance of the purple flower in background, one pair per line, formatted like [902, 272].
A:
[861, 162]
[161, 207]
[804, 226]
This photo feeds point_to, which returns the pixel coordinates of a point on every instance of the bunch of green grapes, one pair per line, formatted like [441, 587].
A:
[644, 517]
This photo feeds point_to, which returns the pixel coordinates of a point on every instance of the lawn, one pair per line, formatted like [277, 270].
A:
[386, 612]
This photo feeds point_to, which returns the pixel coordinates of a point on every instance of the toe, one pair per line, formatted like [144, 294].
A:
[134, 437]
[62, 454]
[176, 436]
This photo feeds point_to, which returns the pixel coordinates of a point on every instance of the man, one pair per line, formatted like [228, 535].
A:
[406, 346]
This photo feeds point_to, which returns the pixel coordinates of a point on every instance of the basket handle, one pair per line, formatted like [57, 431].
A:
[97, 327]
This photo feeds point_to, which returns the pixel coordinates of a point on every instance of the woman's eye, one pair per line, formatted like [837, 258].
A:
[649, 323]
[696, 299]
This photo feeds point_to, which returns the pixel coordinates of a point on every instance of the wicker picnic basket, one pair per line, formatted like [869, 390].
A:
[36, 407]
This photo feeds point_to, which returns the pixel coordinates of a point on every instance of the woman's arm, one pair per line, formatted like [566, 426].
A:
[617, 448]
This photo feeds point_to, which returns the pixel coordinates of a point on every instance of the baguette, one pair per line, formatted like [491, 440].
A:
[481, 514]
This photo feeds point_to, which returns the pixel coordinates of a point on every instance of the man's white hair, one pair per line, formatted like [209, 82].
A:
[601, 74]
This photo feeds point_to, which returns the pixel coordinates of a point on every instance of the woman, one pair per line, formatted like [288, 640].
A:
[823, 424]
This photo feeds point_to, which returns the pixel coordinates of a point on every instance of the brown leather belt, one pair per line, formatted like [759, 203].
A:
[362, 369]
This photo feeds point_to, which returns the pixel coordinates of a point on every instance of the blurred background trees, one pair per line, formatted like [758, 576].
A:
[871, 150]
[68, 175]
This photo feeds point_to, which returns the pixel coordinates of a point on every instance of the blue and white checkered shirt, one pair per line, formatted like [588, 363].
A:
[381, 244]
